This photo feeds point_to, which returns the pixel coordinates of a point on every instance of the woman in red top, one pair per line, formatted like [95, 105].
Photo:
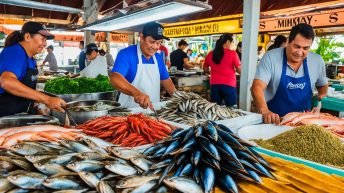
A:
[223, 63]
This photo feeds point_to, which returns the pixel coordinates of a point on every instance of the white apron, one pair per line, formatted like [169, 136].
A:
[147, 80]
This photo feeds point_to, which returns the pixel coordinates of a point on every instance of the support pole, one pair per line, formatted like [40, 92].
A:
[91, 13]
[249, 55]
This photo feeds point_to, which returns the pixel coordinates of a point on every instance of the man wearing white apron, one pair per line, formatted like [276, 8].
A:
[139, 70]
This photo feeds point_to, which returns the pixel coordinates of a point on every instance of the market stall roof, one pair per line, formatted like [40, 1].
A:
[56, 19]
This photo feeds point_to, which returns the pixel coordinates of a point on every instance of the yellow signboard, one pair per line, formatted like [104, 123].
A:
[206, 28]
[326, 18]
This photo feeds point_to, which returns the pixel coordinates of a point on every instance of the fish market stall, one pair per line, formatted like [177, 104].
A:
[204, 158]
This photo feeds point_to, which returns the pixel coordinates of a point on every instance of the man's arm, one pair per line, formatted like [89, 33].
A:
[257, 91]
[10, 83]
[168, 85]
[187, 64]
[322, 91]
[238, 69]
[122, 85]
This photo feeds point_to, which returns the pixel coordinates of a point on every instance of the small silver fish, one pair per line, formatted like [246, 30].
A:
[104, 187]
[63, 182]
[50, 168]
[142, 163]
[121, 169]
[5, 185]
[183, 184]
[86, 166]
[135, 181]
[125, 153]
[27, 180]
[75, 146]
[27, 149]
[145, 187]
[90, 179]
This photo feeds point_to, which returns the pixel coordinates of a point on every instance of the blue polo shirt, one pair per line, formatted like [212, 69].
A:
[13, 59]
[126, 63]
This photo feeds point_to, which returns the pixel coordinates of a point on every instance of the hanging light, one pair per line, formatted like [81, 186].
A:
[134, 16]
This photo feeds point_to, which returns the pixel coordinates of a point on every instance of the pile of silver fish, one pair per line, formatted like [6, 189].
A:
[190, 108]
[210, 154]
[99, 106]
[90, 165]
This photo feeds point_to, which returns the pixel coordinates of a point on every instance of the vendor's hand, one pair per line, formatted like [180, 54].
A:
[270, 117]
[55, 103]
[143, 100]
[320, 97]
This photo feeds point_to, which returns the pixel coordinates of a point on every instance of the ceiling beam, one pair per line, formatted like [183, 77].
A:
[37, 19]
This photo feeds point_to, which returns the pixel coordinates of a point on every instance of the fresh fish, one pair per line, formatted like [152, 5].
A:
[254, 176]
[5, 185]
[167, 170]
[63, 159]
[224, 128]
[227, 183]
[227, 137]
[125, 153]
[135, 181]
[104, 187]
[94, 156]
[91, 141]
[174, 145]
[121, 169]
[211, 149]
[64, 182]
[27, 149]
[37, 158]
[86, 166]
[50, 168]
[180, 133]
[90, 179]
[27, 180]
[145, 187]
[211, 131]
[208, 179]
[196, 175]
[179, 170]
[162, 163]
[181, 159]
[264, 170]
[226, 150]
[187, 146]
[75, 146]
[23, 164]
[212, 162]
[162, 189]
[151, 150]
[186, 170]
[189, 134]
[160, 152]
[196, 157]
[183, 184]
[7, 165]
[199, 131]
[142, 163]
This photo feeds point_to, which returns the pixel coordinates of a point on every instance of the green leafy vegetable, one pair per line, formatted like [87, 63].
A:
[66, 85]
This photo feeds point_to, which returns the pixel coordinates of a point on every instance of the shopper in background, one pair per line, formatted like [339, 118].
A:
[279, 42]
[97, 63]
[50, 58]
[108, 57]
[223, 63]
[179, 58]
[139, 70]
[286, 77]
[239, 50]
[82, 56]
[18, 71]
[164, 52]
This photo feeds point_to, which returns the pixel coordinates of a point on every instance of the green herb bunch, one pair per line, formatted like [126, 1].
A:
[65, 85]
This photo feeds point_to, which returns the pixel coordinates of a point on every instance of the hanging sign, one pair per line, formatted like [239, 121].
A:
[323, 19]
[206, 28]
[121, 38]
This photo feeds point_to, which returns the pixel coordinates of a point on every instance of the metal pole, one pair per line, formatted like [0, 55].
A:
[91, 13]
[249, 55]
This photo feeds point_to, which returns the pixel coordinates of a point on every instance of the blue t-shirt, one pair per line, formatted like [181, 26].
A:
[14, 59]
[126, 63]
[82, 58]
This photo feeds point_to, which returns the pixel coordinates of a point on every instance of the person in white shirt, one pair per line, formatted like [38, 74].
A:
[97, 63]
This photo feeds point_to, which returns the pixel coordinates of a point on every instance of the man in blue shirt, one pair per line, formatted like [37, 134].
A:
[82, 56]
[139, 70]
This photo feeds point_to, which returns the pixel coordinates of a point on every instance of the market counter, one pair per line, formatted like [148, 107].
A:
[330, 103]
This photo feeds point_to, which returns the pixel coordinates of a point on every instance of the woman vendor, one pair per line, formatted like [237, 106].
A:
[18, 71]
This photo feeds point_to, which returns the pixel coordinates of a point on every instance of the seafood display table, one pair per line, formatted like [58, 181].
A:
[330, 103]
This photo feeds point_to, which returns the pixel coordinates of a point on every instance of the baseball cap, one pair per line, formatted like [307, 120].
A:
[35, 27]
[155, 30]
[50, 47]
[90, 47]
